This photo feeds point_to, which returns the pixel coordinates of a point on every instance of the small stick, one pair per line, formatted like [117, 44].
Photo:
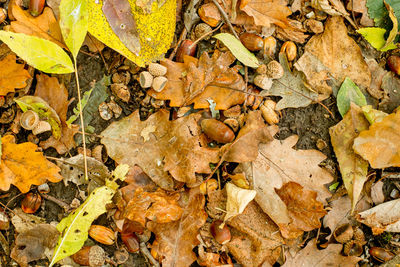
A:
[181, 38]
[225, 16]
[205, 35]
[148, 255]
[101, 54]
[60, 203]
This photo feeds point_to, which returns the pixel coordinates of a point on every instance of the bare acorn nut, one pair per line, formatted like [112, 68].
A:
[4, 220]
[290, 49]
[202, 29]
[159, 83]
[352, 248]
[31, 203]
[381, 254]
[268, 112]
[208, 186]
[93, 256]
[131, 241]
[36, 7]
[275, 70]
[29, 120]
[210, 20]
[145, 79]
[3, 15]
[221, 235]
[252, 41]
[262, 69]
[187, 48]
[394, 64]
[41, 127]
[102, 234]
[233, 123]
[217, 131]
[269, 48]
[263, 82]
[156, 69]
[343, 233]
[44, 188]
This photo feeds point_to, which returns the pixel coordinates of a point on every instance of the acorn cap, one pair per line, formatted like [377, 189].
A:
[29, 120]
[343, 233]
[41, 127]
[263, 82]
[156, 69]
[145, 79]
[159, 83]
[274, 70]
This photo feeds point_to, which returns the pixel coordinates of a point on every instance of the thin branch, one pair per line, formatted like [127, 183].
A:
[205, 35]
[178, 43]
[225, 16]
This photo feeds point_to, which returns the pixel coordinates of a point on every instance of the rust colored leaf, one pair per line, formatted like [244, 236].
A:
[267, 12]
[303, 207]
[43, 26]
[175, 240]
[119, 16]
[22, 166]
[56, 95]
[380, 145]
[12, 75]
[196, 81]
[158, 207]
[170, 148]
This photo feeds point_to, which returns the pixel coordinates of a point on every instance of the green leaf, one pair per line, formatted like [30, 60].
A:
[333, 187]
[380, 15]
[74, 23]
[238, 49]
[373, 115]
[349, 92]
[76, 110]
[375, 36]
[393, 32]
[74, 228]
[98, 95]
[41, 54]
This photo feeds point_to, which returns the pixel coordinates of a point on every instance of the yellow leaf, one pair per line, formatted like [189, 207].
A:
[156, 30]
[13, 75]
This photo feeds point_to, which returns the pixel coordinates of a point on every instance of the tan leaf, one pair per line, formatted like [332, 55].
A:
[380, 145]
[237, 200]
[175, 240]
[12, 75]
[360, 6]
[339, 214]
[173, 148]
[267, 12]
[352, 167]
[22, 166]
[377, 74]
[339, 53]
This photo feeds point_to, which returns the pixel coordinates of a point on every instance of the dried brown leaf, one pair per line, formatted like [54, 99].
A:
[12, 75]
[267, 12]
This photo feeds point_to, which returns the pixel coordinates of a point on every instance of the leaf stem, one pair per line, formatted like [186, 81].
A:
[81, 117]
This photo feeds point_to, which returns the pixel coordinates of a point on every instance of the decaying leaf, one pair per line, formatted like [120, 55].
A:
[22, 166]
[23, 221]
[391, 96]
[339, 214]
[380, 143]
[267, 12]
[352, 167]
[377, 74]
[12, 76]
[360, 6]
[238, 199]
[332, 7]
[175, 240]
[172, 149]
[197, 81]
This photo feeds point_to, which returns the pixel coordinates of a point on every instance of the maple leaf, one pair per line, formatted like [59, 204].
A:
[160, 147]
[196, 81]
[13, 75]
[44, 26]
[56, 95]
[23, 167]
[175, 240]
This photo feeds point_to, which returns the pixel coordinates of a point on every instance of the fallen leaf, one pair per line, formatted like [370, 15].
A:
[361, 7]
[293, 32]
[32, 244]
[377, 74]
[158, 207]
[12, 76]
[340, 53]
[22, 166]
[352, 167]
[376, 37]
[380, 143]
[197, 81]
[331, 7]
[94, 45]
[312, 256]
[373, 115]
[377, 194]
[339, 214]
[391, 96]
[267, 12]
[380, 15]
[238, 199]
[349, 93]
[173, 148]
[23, 221]
[175, 241]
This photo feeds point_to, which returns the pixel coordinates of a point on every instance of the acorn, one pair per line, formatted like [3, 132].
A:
[290, 49]
[251, 41]
[102, 234]
[31, 203]
[36, 7]
[217, 131]
[221, 235]
[93, 256]
[186, 48]
[3, 15]
[145, 79]
[29, 120]
[344, 233]
[131, 242]
[263, 81]
[274, 70]
[353, 248]
[202, 29]
[262, 69]
[269, 47]
[268, 112]
[159, 83]
[41, 127]
[156, 69]
[4, 220]
[381, 254]
[394, 64]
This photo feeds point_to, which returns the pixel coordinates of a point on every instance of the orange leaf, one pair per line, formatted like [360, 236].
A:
[266, 12]
[23, 167]
[12, 75]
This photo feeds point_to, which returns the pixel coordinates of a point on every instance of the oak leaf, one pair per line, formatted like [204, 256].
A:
[175, 240]
[196, 81]
[267, 12]
[12, 75]
[171, 149]
[380, 144]
[22, 166]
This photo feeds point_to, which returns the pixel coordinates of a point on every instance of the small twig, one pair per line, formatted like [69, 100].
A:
[178, 43]
[352, 14]
[246, 88]
[60, 203]
[205, 35]
[91, 134]
[148, 255]
[101, 54]
[225, 16]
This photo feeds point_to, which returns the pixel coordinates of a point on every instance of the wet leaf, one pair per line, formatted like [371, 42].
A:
[22, 166]
[376, 37]
[380, 143]
[74, 23]
[42, 54]
[12, 76]
[352, 167]
[238, 49]
[238, 199]
[349, 93]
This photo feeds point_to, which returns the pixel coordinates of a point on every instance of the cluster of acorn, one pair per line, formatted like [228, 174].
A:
[154, 77]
